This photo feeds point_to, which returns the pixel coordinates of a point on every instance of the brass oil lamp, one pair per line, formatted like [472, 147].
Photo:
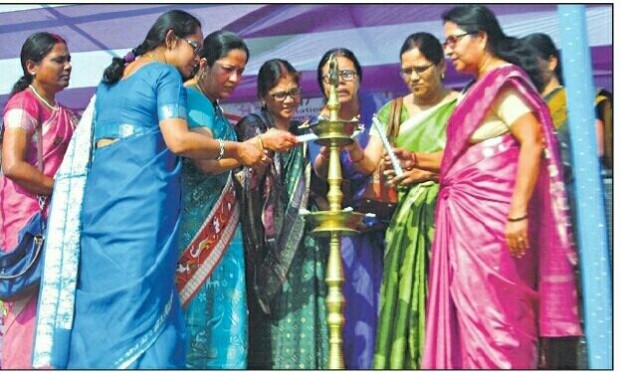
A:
[335, 222]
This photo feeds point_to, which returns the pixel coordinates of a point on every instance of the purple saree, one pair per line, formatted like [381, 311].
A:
[487, 308]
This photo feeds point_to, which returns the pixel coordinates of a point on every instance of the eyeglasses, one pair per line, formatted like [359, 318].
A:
[197, 48]
[408, 71]
[282, 95]
[345, 75]
[452, 40]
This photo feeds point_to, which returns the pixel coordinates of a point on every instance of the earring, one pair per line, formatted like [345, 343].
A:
[443, 76]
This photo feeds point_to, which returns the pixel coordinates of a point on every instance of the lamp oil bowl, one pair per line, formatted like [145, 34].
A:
[337, 132]
[346, 222]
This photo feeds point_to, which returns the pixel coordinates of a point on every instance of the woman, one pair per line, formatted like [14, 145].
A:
[130, 213]
[285, 264]
[362, 253]
[214, 297]
[34, 123]
[422, 121]
[501, 210]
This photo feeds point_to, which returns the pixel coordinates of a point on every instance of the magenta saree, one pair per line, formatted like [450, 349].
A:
[486, 308]
[18, 205]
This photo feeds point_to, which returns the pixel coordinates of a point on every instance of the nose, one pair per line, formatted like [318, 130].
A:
[235, 76]
[414, 75]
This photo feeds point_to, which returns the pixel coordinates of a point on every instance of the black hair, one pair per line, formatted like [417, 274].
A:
[219, 43]
[343, 52]
[478, 18]
[544, 47]
[35, 48]
[271, 72]
[182, 24]
[427, 44]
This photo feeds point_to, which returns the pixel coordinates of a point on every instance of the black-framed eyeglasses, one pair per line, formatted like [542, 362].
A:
[282, 95]
[345, 75]
[408, 71]
[197, 48]
[452, 40]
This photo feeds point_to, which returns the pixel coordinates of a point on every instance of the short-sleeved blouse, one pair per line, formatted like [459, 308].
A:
[153, 93]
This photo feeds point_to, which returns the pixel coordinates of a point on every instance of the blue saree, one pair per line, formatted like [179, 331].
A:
[214, 295]
[127, 310]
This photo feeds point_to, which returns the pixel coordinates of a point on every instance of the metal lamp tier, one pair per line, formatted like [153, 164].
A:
[336, 221]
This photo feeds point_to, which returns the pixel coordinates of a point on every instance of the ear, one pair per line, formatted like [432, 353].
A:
[170, 40]
[203, 63]
[552, 63]
[484, 39]
[32, 67]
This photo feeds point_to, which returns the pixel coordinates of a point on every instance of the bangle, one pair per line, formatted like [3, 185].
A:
[261, 146]
[221, 153]
[518, 218]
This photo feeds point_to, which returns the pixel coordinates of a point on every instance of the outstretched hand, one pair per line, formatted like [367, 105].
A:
[278, 140]
[251, 156]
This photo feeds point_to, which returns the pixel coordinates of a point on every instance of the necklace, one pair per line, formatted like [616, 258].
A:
[45, 102]
[196, 84]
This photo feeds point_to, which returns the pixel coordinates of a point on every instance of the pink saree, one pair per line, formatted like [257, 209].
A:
[18, 205]
[486, 309]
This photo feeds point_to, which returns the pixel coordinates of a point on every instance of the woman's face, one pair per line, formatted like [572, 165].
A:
[225, 74]
[283, 99]
[54, 70]
[421, 75]
[465, 49]
[348, 80]
[186, 52]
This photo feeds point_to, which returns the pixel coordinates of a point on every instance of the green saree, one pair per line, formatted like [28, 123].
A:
[399, 341]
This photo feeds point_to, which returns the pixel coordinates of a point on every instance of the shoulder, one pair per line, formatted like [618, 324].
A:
[25, 101]
[156, 72]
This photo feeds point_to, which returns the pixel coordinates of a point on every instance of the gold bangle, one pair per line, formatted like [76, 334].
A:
[261, 146]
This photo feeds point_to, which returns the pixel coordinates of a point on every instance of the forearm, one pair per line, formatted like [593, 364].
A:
[214, 167]
[320, 166]
[364, 161]
[29, 177]
[429, 161]
[199, 146]
[526, 178]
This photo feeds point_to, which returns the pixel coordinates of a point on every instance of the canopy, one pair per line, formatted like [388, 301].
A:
[298, 33]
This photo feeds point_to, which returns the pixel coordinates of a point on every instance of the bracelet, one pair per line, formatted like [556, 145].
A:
[221, 153]
[261, 145]
[518, 218]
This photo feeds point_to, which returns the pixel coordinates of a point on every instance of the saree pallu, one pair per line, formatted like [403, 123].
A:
[18, 205]
[129, 315]
[401, 325]
[487, 308]
[210, 270]
[285, 264]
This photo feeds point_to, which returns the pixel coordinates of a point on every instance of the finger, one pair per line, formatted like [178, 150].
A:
[399, 180]
[389, 172]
